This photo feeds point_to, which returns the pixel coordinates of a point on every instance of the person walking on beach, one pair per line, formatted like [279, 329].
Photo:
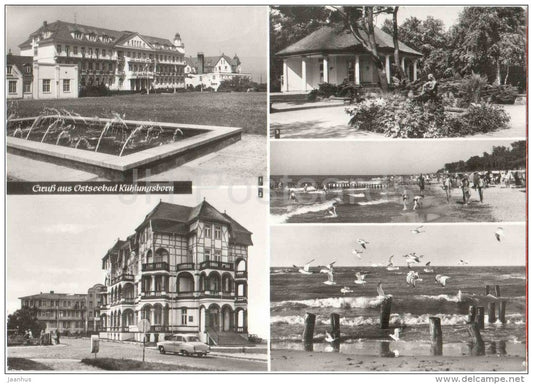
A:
[417, 200]
[478, 185]
[465, 185]
[447, 186]
[421, 183]
[404, 199]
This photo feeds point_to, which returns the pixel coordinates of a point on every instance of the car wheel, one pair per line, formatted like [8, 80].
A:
[184, 352]
[162, 350]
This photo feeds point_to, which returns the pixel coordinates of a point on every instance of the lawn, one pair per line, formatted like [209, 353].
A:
[20, 364]
[110, 364]
[244, 110]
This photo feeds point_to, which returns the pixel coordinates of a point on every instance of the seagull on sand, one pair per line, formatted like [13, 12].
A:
[331, 279]
[329, 338]
[345, 290]
[357, 252]
[327, 268]
[441, 279]
[418, 230]
[390, 265]
[363, 243]
[499, 234]
[428, 269]
[462, 262]
[360, 278]
[396, 335]
[305, 269]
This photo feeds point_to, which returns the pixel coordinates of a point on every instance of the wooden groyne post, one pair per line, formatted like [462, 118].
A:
[386, 306]
[479, 345]
[335, 331]
[501, 306]
[492, 312]
[480, 317]
[309, 330]
[435, 333]
[471, 314]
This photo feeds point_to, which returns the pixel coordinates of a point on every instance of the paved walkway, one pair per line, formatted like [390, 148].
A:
[332, 123]
[67, 356]
[238, 164]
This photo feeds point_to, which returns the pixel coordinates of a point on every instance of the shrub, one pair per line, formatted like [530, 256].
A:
[471, 88]
[502, 94]
[398, 117]
[324, 91]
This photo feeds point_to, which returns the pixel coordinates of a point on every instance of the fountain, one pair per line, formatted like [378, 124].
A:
[113, 147]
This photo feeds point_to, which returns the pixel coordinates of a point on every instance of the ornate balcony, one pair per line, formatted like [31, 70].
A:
[122, 277]
[241, 299]
[159, 266]
[241, 274]
[184, 266]
[154, 294]
[212, 264]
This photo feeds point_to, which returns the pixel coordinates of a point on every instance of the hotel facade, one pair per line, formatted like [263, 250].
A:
[68, 56]
[184, 270]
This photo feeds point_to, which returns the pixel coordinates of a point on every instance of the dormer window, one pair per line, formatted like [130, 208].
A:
[92, 37]
[77, 35]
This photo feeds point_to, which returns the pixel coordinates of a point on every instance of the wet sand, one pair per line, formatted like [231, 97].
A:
[290, 360]
[499, 204]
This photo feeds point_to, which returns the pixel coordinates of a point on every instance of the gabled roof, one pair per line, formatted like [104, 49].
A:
[61, 31]
[205, 211]
[211, 61]
[19, 61]
[335, 39]
[240, 235]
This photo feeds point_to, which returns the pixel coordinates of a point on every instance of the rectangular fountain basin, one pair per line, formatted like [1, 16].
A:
[150, 161]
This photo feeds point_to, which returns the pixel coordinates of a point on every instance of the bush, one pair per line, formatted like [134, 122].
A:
[502, 94]
[471, 87]
[398, 117]
[94, 91]
[324, 91]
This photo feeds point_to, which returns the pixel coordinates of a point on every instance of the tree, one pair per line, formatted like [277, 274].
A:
[24, 319]
[396, 43]
[484, 38]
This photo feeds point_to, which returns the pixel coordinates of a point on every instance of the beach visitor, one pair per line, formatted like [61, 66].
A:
[447, 186]
[404, 199]
[507, 179]
[517, 180]
[41, 337]
[417, 200]
[332, 211]
[58, 334]
[478, 185]
[465, 185]
[292, 197]
[421, 183]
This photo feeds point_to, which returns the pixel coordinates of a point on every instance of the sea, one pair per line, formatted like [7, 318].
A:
[373, 199]
[294, 294]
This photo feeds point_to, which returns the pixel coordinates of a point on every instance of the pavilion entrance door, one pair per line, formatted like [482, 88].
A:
[367, 70]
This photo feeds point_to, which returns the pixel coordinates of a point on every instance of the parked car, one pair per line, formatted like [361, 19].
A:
[183, 344]
[252, 338]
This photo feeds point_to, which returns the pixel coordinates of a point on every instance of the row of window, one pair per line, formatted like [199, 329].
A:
[83, 50]
[208, 232]
[47, 84]
[27, 69]
[53, 303]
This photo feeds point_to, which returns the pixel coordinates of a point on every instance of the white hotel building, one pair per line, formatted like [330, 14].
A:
[184, 270]
[67, 56]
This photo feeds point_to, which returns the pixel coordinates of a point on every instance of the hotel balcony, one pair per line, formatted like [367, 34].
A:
[122, 277]
[159, 266]
[241, 274]
[184, 267]
[212, 264]
[241, 299]
[154, 294]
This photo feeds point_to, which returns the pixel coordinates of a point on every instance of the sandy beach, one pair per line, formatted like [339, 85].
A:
[290, 360]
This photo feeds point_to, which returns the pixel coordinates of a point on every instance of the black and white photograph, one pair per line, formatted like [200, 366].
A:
[398, 298]
[380, 72]
[165, 285]
[119, 93]
[398, 182]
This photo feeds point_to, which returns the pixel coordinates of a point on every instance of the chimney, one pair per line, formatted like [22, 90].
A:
[9, 53]
[45, 23]
[200, 63]
[52, 292]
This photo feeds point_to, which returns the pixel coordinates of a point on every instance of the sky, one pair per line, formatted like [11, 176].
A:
[448, 15]
[56, 243]
[440, 244]
[211, 30]
[372, 157]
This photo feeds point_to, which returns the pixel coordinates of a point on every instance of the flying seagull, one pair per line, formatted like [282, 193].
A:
[345, 290]
[305, 269]
[499, 234]
[413, 258]
[418, 230]
[441, 279]
[357, 253]
[327, 268]
[428, 268]
[390, 265]
[462, 262]
[363, 243]
[331, 279]
[360, 278]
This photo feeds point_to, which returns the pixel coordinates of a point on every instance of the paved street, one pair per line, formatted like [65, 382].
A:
[65, 355]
